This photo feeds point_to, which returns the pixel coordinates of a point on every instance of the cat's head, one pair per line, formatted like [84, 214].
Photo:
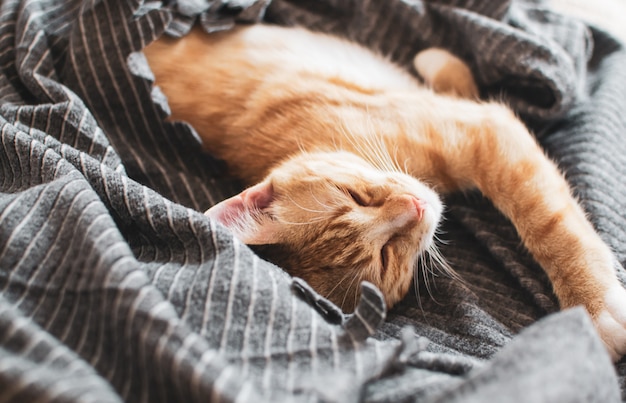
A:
[335, 220]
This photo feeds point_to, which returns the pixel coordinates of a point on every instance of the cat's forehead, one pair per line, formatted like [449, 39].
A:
[335, 158]
[339, 165]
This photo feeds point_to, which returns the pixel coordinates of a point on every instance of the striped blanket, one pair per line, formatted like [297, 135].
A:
[114, 287]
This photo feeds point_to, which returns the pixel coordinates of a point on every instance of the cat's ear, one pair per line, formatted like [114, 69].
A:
[247, 215]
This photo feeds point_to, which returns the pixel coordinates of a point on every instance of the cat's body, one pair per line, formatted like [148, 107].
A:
[263, 96]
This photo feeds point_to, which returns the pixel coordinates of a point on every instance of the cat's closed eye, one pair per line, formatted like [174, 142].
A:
[385, 256]
[359, 199]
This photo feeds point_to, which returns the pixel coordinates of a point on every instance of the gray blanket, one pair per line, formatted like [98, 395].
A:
[113, 287]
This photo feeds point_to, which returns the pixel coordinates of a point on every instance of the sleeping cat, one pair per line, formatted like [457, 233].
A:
[347, 153]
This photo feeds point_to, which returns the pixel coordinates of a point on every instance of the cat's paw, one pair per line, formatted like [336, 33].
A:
[611, 322]
[446, 73]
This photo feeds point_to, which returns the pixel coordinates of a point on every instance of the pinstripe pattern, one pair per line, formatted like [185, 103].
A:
[114, 288]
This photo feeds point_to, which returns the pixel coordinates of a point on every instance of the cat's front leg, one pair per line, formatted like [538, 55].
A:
[494, 151]
[528, 187]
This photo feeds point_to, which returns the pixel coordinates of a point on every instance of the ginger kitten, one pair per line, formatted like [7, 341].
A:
[347, 152]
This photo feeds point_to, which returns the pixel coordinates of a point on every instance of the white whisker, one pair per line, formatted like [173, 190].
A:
[304, 208]
[303, 223]
[405, 166]
[345, 276]
[420, 267]
[441, 264]
[325, 206]
[357, 276]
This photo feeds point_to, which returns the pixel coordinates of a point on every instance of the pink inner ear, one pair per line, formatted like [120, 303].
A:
[259, 195]
[234, 209]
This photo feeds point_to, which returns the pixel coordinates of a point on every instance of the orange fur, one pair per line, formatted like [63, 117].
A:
[261, 100]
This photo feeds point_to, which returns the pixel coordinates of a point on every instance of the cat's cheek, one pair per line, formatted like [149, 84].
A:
[611, 322]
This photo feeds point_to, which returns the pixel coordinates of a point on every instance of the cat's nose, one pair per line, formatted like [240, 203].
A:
[420, 206]
[417, 204]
